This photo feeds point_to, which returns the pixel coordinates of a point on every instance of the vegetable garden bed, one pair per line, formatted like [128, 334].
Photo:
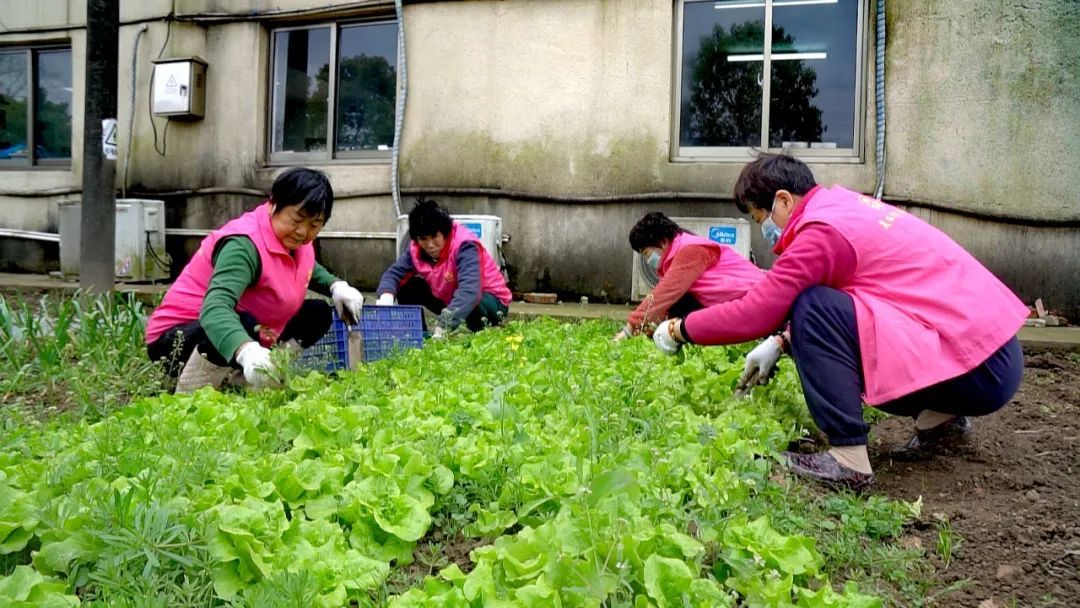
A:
[534, 465]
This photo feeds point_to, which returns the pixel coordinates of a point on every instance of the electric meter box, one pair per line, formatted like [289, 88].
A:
[733, 232]
[487, 228]
[179, 89]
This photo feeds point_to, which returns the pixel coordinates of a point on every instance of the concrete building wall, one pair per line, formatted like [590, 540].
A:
[557, 116]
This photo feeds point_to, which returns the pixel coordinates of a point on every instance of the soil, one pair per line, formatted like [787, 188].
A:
[1013, 499]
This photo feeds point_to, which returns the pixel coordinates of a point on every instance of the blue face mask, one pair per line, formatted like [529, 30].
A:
[771, 231]
[653, 261]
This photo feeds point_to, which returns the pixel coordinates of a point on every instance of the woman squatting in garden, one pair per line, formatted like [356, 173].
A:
[881, 307]
[447, 270]
[694, 273]
[243, 291]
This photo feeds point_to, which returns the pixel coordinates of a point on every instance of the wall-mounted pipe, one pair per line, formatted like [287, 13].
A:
[131, 115]
[1071, 220]
[325, 234]
[32, 235]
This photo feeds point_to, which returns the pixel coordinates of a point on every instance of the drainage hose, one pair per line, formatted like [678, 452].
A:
[879, 98]
[399, 111]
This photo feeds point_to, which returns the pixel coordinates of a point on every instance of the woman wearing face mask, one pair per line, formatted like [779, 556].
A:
[694, 273]
[883, 308]
[244, 289]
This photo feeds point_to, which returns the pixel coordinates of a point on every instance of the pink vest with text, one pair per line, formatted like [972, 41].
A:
[442, 276]
[730, 277]
[273, 300]
[927, 311]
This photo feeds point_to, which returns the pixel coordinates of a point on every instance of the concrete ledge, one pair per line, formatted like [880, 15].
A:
[1033, 338]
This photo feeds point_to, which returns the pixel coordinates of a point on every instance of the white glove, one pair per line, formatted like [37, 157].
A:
[760, 363]
[438, 333]
[386, 299]
[347, 300]
[664, 340]
[623, 334]
[258, 369]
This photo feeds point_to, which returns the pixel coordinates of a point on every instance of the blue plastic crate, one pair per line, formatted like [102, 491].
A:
[390, 329]
[331, 352]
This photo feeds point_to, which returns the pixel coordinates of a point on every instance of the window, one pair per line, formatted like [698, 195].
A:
[768, 74]
[35, 106]
[334, 92]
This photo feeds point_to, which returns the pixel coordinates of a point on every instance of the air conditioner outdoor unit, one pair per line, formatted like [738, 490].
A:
[734, 232]
[140, 239]
[488, 228]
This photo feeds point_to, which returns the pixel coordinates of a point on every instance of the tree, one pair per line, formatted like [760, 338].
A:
[367, 88]
[725, 96]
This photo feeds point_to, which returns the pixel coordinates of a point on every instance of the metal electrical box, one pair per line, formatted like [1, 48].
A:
[179, 89]
[734, 232]
[487, 228]
[140, 239]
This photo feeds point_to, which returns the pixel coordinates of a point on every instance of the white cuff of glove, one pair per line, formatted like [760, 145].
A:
[347, 300]
[386, 299]
[664, 340]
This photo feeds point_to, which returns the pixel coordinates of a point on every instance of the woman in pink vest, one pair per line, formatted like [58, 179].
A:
[244, 290]
[447, 270]
[694, 273]
[882, 308]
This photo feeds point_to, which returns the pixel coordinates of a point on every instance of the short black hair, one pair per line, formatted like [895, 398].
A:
[427, 218]
[761, 179]
[308, 188]
[652, 229]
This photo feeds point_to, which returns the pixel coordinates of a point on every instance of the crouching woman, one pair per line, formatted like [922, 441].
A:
[446, 269]
[883, 309]
[244, 290]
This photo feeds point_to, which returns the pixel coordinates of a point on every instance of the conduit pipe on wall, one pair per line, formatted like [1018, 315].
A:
[32, 235]
[879, 98]
[131, 115]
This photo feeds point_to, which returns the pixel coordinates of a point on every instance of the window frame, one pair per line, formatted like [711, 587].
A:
[31, 162]
[698, 154]
[331, 155]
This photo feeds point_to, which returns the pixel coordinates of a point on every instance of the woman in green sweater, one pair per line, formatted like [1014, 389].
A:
[244, 290]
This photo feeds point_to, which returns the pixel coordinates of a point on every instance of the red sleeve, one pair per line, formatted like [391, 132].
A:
[818, 256]
[687, 266]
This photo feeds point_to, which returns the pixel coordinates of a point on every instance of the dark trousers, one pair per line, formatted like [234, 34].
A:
[488, 313]
[684, 306]
[825, 346]
[174, 347]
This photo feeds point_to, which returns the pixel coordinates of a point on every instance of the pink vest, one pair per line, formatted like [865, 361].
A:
[442, 276]
[729, 278]
[927, 311]
[273, 300]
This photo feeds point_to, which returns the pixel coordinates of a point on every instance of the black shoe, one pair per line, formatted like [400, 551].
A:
[822, 467]
[944, 438]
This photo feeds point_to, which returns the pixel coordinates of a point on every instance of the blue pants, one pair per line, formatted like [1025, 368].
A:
[825, 346]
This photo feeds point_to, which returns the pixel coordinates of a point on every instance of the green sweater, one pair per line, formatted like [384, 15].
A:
[237, 267]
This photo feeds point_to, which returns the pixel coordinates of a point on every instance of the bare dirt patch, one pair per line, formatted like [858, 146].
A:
[1014, 500]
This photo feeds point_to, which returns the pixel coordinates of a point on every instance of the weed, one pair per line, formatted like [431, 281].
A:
[81, 355]
[947, 542]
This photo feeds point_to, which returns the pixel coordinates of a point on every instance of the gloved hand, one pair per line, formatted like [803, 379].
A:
[623, 334]
[348, 301]
[664, 337]
[258, 368]
[447, 319]
[438, 333]
[386, 299]
[760, 363]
